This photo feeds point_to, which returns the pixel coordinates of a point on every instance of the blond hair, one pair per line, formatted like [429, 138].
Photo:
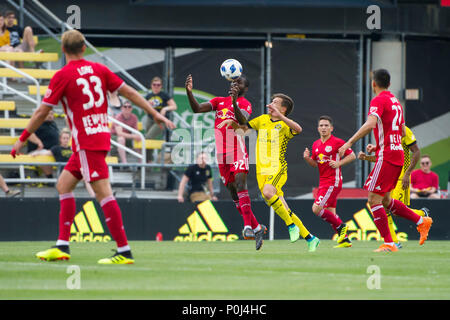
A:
[73, 41]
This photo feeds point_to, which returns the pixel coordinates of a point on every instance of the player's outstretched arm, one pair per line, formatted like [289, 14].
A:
[196, 107]
[365, 129]
[135, 97]
[37, 119]
[366, 157]
[349, 158]
[308, 159]
[240, 117]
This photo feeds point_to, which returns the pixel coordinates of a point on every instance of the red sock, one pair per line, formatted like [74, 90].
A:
[236, 202]
[400, 209]
[331, 218]
[381, 221]
[66, 215]
[247, 214]
[113, 217]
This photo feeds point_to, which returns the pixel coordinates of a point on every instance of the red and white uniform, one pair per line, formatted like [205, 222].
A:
[82, 87]
[330, 179]
[388, 136]
[231, 152]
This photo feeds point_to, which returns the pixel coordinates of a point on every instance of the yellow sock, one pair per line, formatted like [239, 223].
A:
[391, 227]
[303, 231]
[419, 212]
[279, 208]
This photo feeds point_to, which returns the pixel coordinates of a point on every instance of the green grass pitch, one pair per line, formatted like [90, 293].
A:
[231, 271]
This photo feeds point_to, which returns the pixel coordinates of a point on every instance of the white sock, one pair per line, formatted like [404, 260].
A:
[420, 221]
[257, 228]
[62, 243]
[123, 249]
[390, 243]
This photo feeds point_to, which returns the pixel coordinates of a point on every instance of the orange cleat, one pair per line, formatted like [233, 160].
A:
[386, 248]
[423, 229]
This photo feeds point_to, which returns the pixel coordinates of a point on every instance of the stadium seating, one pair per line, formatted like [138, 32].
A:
[41, 159]
[16, 123]
[149, 144]
[7, 106]
[33, 90]
[29, 56]
[35, 73]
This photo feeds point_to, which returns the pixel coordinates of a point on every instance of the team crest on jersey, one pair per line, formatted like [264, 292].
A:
[328, 148]
[48, 93]
[373, 109]
[278, 126]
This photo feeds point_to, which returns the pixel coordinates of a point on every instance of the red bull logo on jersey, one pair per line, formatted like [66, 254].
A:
[225, 114]
[95, 123]
[322, 158]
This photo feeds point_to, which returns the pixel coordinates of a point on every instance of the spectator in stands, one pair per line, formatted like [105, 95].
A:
[4, 36]
[115, 103]
[16, 33]
[45, 137]
[8, 192]
[424, 182]
[200, 180]
[124, 136]
[162, 102]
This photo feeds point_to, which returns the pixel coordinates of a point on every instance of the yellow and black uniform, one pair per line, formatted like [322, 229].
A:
[271, 165]
[399, 193]
[273, 137]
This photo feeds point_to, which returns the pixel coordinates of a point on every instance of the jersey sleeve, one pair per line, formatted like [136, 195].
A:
[246, 107]
[214, 102]
[410, 138]
[113, 82]
[255, 123]
[313, 152]
[376, 107]
[55, 90]
[188, 172]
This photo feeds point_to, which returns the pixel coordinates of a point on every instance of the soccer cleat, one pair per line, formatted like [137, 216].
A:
[386, 248]
[259, 236]
[342, 232]
[248, 234]
[399, 245]
[426, 211]
[118, 258]
[294, 232]
[313, 243]
[53, 254]
[346, 243]
[12, 193]
[424, 228]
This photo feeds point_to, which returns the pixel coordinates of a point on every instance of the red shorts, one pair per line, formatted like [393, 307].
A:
[383, 177]
[231, 164]
[327, 196]
[88, 164]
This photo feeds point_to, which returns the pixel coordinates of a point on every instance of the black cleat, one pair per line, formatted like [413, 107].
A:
[259, 236]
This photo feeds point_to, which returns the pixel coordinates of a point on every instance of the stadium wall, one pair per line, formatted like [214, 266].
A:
[37, 220]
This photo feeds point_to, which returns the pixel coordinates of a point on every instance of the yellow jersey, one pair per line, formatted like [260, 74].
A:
[407, 141]
[4, 38]
[271, 144]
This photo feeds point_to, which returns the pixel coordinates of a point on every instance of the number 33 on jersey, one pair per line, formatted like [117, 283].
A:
[81, 87]
[388, 131]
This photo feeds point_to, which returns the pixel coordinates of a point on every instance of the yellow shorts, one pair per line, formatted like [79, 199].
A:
[277, 180]
[399, 194]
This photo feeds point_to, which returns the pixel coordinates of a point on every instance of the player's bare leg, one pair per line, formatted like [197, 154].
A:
[65, 186]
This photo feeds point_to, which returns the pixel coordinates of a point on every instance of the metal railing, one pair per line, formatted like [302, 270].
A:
[142, 156]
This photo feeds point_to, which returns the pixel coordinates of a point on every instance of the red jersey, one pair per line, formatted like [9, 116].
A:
[323, 153]
[226, 139]
[421, 180]
[388, 131]
[81, 87]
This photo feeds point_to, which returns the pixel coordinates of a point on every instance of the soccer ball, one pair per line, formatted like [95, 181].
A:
[231, 69]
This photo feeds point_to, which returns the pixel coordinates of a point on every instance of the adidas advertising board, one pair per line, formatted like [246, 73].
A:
[37, 219]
